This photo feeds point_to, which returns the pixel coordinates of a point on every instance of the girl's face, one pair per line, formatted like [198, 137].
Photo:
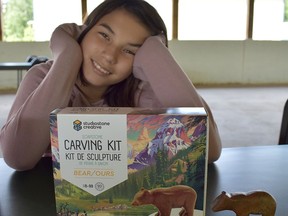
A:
[110, 46]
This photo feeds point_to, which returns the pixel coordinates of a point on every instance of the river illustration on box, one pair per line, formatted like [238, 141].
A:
[163, 151]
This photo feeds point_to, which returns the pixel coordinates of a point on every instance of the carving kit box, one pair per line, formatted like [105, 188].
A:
[129, 161]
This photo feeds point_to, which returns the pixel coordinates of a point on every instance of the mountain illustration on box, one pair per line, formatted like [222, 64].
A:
[171, 136]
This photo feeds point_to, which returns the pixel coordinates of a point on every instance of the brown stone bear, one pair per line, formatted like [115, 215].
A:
[165, 199]
[243, 204]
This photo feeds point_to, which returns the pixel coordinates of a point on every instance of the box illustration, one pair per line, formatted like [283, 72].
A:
[129, 161]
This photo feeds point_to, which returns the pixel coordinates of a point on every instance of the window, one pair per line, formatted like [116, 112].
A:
[92, 4]
[165, 12]
[286, 11]
[49, 14]
[270, 20]
[44, 16]
[212, 20]
[34, 20]
[17, 20]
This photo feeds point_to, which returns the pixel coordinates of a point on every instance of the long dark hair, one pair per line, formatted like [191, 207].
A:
[123, 94]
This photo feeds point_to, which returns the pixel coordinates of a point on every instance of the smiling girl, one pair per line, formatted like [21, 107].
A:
[118, 58]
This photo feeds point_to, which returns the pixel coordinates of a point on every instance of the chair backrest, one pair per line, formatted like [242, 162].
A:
[283, 138]
[36, 59]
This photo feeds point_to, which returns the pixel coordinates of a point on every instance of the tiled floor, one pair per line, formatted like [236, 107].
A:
[245, 116]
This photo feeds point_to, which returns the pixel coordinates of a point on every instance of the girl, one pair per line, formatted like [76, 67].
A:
[119, 57]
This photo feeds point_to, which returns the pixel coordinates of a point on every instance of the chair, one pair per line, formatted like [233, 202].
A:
[283, 138]
[36, 59]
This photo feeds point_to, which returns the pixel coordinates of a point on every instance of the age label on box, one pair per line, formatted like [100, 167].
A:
[93, 150]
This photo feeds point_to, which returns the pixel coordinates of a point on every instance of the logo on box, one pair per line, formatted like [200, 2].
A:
[77, 125]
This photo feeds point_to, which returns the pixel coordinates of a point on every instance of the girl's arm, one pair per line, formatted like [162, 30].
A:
[155, 65]
[25, 136]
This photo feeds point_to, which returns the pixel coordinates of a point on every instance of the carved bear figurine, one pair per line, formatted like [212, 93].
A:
[243, 204]
[167, 198]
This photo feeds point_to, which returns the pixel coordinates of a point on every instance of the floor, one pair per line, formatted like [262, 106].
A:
[245, 116]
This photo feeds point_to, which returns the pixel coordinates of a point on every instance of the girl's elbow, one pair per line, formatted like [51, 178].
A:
[18, 163]
[214, 156]
[215, 150]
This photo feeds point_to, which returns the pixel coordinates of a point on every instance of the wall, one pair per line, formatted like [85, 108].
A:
[233, 62]
[205, 62]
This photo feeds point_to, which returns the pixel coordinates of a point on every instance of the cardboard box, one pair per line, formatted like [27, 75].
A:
[129, 161]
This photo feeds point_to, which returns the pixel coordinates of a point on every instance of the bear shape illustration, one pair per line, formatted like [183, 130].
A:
[244, 204]
[165, 199]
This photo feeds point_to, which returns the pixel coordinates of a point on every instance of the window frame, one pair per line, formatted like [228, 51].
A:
[250, 17]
